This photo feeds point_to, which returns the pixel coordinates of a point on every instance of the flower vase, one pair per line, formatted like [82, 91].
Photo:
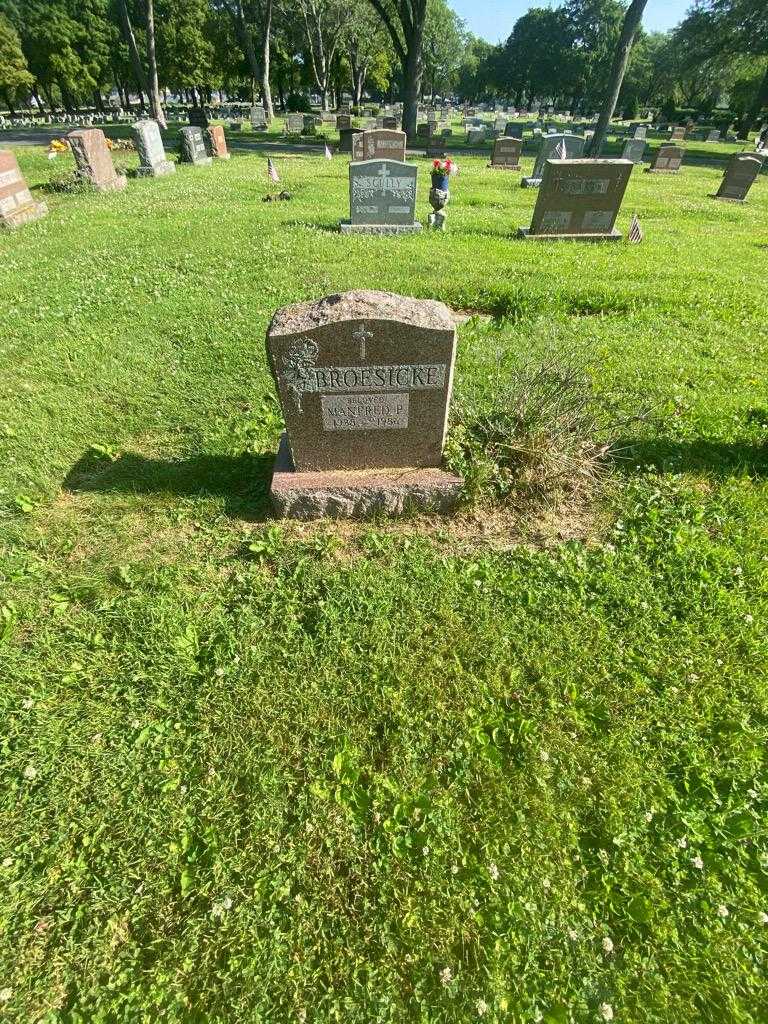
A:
[438, 200]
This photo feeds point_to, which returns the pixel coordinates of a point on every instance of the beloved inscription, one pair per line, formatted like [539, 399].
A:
[365, 412]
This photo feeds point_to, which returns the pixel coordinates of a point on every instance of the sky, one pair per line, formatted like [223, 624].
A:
[493, 19]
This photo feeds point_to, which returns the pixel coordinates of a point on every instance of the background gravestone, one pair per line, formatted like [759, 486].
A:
[678, 134]
[93, 159]
[381, 143]
[364, 381]
[634, 150]
[740, 175]
[217, 142]
[149, 144]
[343, 121]
[258, 117]
[346, 139]
[579, 200]
[713, 135]
[506, 154]
[574, 148]
[294, 124]
[17, 206]
[193, 149]
[667, 160]
[513, 131]
[382, 198]
[198, 116]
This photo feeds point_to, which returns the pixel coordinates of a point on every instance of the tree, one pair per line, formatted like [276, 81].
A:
[14, 72]
[405, 20]
[632, 21]
[537, 59]
[445, 43]
[741, 26]
[324, 22]
[154, 87]
[252, 20]
[594, 27]
[139, 73]
[367, 45]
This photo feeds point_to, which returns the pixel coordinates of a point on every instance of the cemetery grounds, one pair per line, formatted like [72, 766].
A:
[507, 767]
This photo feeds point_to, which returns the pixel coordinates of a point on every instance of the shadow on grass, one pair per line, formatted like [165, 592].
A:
[242, 480]
[712, 458]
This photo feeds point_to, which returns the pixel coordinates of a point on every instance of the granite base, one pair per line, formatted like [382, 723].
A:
[347, 228]
[530, 182]
[116, 184]
[359, 493]
[727, 199]
[525, 233]
[26, 215]
[157, 171]
[505, 167]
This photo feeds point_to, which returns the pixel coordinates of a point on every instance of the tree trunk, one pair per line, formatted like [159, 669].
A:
[38, 101]
[155, 105]
[130, 38]
[632, 21]
[266, 47]
[411, 88]
[9, 102]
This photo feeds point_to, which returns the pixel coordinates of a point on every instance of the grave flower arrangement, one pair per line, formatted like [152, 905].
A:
[441, 172]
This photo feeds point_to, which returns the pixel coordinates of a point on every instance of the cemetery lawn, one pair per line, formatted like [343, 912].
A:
[265, 773]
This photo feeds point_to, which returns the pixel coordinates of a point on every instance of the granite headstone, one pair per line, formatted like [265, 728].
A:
[17, 206]
[382, 198]
[364, 381]
[506, 154]
[381, 143]
[574, 149]
[149, 144]
[193, 149]
[217, 143]
[740, 175]
[634, 150]
[667, 160]
[93, 159]
[579, 200]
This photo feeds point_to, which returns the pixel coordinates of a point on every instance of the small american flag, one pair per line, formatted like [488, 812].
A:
[561, 152]
[272, 170]
[635, 231]
[328, 154]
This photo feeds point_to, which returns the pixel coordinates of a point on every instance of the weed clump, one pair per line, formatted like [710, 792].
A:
[546, 436]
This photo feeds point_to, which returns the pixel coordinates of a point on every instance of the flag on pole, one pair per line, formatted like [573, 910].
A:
[272, 170]
[635, 231]
[328, 154]
[561, 151]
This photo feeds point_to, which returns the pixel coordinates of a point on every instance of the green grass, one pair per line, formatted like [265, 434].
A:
[273, 773]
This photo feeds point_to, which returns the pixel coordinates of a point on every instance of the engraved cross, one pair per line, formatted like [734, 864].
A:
[362, 336]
